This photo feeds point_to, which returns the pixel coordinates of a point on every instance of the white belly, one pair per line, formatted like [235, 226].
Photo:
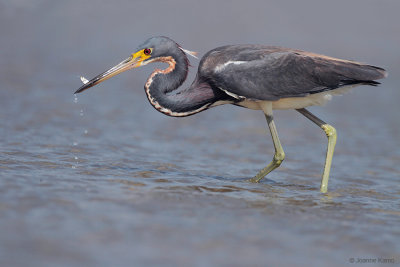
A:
[318, 99]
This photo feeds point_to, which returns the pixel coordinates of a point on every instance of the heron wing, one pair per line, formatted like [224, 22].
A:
[271, 73]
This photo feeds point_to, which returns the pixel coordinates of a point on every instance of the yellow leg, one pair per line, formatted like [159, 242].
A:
[279, 153]
[330, 132]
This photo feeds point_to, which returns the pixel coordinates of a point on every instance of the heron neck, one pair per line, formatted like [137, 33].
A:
[164, 94]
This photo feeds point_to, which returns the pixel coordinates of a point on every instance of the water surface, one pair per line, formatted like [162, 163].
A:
[105, 180]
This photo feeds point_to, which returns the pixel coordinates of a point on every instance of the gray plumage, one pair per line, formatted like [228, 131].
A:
[240, 73]
[272, 73]
[253, 76]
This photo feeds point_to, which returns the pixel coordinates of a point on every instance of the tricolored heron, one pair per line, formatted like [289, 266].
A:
[252, 76]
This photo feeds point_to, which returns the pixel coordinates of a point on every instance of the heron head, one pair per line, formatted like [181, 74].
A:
[151, 50]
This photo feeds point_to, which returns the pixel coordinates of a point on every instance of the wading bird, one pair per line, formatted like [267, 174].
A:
[252, 76]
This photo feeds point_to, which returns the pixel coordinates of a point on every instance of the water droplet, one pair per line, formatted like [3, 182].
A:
[84, 80]
[81, 113]
[75, 143]
[75, 99]
[73, 167]
[86, 132]
[76, 158]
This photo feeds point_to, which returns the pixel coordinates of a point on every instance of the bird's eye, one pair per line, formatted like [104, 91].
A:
[147, 51]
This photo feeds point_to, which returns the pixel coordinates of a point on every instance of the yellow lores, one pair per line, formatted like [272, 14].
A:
[141, 56]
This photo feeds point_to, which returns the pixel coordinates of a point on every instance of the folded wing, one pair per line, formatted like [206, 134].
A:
[271, 73]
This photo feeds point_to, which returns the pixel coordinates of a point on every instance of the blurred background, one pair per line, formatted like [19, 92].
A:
[104, 179]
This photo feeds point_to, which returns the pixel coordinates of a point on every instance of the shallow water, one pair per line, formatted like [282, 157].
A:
[105, 180]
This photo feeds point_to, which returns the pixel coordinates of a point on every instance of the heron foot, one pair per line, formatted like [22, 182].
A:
[275, 163]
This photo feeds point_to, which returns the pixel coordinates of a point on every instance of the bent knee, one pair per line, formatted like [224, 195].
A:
[329, 130]
[279, 157]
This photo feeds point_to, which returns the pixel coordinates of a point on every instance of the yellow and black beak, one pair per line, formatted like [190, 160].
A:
[134, 61]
